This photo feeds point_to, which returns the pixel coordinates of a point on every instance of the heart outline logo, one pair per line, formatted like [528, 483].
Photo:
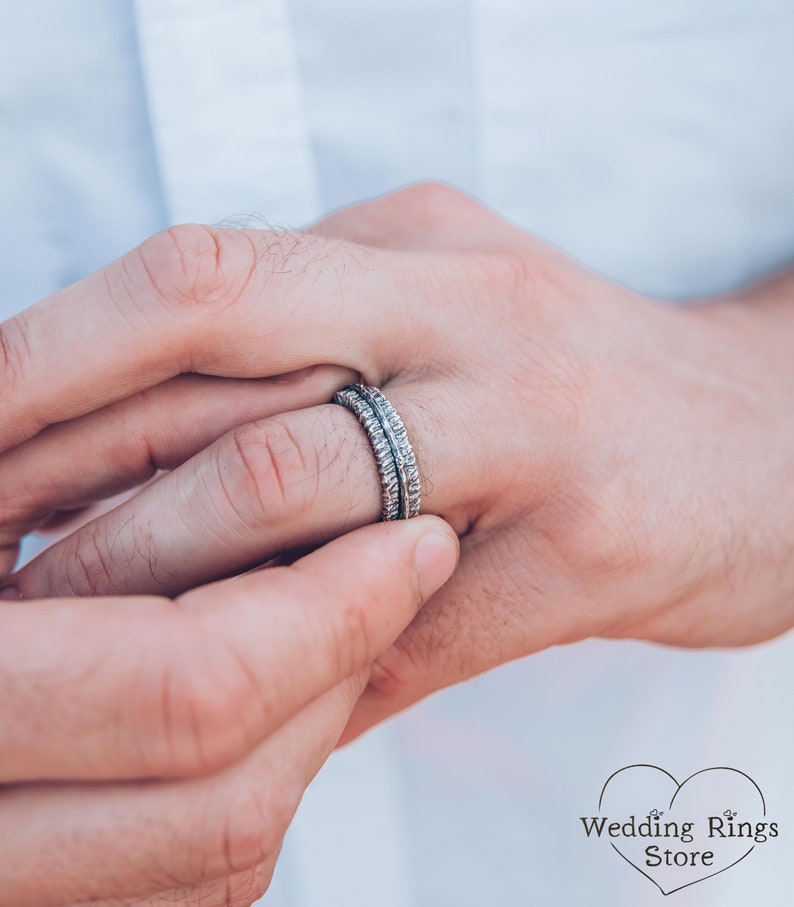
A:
[724, 832]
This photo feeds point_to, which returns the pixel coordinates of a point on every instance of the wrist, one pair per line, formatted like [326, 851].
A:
[745, 493]
[691, 459]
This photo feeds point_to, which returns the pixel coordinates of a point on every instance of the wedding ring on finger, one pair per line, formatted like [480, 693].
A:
[401, 487]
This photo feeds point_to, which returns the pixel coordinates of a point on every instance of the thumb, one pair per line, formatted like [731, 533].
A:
[205, 679]
[304, 628]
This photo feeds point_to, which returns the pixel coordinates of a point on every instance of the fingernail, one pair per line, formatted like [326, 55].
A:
[435, 558]
[10, 594]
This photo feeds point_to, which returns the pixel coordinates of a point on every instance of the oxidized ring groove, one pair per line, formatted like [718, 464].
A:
[401, 486]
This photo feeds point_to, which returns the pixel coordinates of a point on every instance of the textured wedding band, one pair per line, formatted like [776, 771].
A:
[401, 487]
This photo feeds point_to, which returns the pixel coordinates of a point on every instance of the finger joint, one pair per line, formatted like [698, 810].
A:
[270, 472]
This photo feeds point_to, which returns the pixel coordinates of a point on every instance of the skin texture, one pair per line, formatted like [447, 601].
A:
[156, 749]
[614, 467]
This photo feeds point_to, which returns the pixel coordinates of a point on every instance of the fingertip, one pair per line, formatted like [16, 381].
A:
[435, 556]
[430, 543]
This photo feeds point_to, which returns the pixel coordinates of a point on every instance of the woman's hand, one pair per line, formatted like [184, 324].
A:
[615, 467]
[156, 750]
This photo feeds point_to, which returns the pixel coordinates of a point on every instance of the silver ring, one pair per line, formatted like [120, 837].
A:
[401, 487]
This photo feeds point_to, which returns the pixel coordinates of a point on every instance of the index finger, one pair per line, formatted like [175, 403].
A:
[147, 687]
[243, 303]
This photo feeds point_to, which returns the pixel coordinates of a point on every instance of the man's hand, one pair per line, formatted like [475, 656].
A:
[615, 467]
[157, 749]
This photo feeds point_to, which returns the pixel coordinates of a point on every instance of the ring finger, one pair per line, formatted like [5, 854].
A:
[271, 486]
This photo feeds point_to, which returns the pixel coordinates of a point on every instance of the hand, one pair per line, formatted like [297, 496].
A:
[615, 467]
[156, 750]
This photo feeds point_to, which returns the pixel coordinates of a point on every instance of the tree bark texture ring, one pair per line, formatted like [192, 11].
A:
[401, 486]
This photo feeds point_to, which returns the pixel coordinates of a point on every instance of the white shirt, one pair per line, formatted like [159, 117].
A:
[653, 140]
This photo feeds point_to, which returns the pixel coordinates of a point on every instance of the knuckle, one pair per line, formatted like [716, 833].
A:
[427, 204]
[192, 264]
[272, 471]
[433, 196]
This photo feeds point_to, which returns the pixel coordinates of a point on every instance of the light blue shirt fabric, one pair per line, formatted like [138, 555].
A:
[652, 140]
